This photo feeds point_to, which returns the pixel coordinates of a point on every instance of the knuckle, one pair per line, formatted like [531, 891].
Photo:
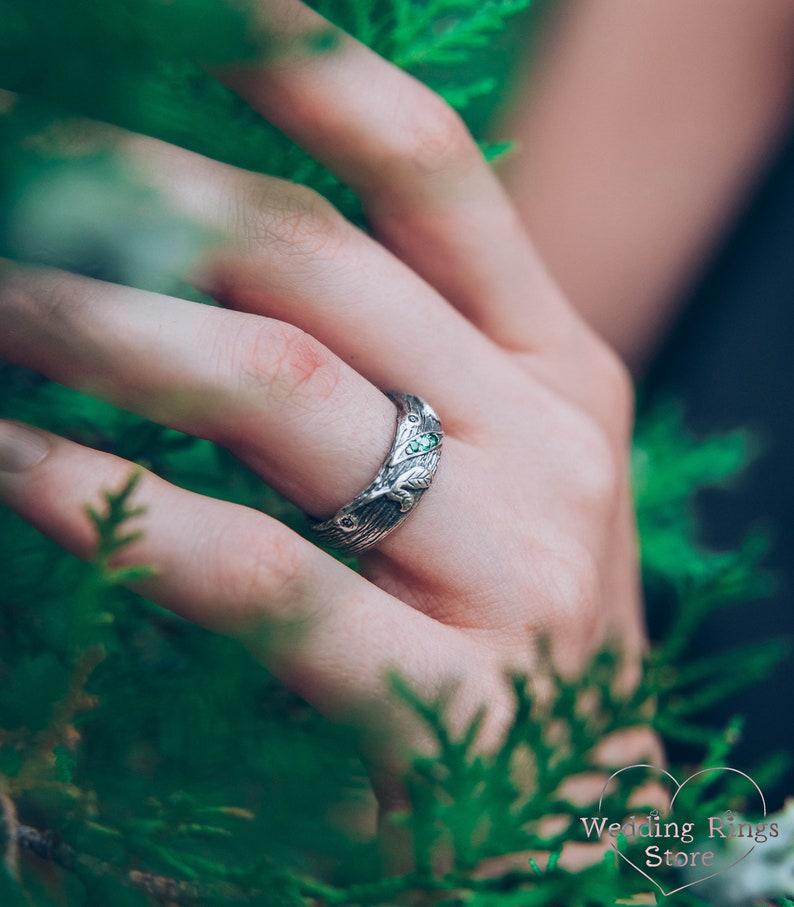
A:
[262, 578]
[288, 363]
[58, 304]
[599, 479]
[574, 579]
[594, 475]
[617, 382]
[615, 387]
[30, 297]
[289, 219]
[16, 300]
[435, 138]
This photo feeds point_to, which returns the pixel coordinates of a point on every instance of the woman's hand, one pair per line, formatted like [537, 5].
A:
[527, 528]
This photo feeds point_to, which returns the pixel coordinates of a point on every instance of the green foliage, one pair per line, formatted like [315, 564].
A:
[110, 542]
[445, 31]
[413, 34]
[668, 463]
[148, 758]
[669, 467]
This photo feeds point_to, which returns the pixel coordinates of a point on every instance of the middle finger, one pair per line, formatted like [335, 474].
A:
[268, 391]
[287, 253]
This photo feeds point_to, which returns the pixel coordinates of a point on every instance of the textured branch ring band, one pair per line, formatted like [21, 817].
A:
[395, 491]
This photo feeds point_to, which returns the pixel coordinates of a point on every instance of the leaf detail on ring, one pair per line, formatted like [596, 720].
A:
[415, 479]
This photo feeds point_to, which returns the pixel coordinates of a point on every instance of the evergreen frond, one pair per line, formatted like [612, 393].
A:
[445, 32]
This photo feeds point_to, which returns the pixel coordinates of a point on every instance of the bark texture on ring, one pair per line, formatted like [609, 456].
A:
[395, 491]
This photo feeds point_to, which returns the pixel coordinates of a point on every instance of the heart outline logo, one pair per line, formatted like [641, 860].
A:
[679, 787]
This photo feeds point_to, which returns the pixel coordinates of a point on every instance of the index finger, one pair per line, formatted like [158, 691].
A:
[426, 188]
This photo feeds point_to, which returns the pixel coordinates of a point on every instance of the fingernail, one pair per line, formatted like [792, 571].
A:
[20, 448]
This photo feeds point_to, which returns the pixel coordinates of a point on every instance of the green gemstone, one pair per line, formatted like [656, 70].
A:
[413, 447]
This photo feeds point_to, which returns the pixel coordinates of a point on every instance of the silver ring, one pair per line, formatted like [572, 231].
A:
[395, 491]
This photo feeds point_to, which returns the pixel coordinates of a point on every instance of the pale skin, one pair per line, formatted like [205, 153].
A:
[527, 528]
